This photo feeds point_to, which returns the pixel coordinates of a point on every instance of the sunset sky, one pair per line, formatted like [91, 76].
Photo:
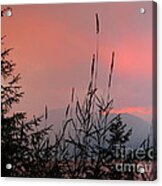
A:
[53, 47]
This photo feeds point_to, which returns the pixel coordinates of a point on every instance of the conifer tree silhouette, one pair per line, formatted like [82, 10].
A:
[24, 144]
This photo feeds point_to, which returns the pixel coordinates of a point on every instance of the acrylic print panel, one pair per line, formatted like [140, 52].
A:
[78, 91]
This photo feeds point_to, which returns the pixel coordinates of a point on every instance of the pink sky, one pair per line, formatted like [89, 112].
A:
[53, 45]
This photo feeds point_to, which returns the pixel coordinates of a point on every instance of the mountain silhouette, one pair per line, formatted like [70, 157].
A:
[140, 128]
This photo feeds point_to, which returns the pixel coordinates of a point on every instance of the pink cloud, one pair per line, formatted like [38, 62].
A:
[134, 110]
[53, 45]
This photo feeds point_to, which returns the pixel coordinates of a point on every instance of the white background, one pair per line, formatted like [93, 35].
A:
[40, 182]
